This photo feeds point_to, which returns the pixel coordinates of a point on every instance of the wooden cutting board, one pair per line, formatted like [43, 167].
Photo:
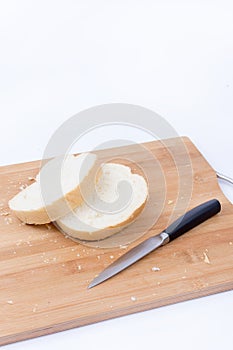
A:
[44, 276]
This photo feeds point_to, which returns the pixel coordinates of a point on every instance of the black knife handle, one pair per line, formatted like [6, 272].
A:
[193, 218]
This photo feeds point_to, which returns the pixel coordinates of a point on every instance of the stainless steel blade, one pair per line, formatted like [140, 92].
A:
[131, 257]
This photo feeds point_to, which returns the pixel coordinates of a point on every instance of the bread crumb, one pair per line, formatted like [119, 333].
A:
[78, 254]
[123, 247]
[79, 267]
[35, 308]
[22, 187]
[30, 178]
[206, 258]
[98, 257]
[133, 298]
[158, 283]
[8, 220]
[10, 302]
[155, 268]
[230, 243]
[111, 257]
[22, 224]
[169, 202]
[5, 213]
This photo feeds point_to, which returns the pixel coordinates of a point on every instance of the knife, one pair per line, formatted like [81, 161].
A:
[183, 224]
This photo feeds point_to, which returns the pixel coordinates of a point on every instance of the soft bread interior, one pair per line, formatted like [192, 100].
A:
[95, 218]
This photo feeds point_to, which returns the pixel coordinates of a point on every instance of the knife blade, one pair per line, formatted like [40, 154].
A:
[183, 224]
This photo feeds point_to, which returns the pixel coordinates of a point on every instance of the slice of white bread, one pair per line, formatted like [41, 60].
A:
[57, 189]
[88, 222]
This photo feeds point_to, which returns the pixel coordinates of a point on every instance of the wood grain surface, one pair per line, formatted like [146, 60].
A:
[44, 276]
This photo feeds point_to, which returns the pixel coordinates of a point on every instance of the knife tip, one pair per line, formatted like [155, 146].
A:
[92, 284]
[97, 280]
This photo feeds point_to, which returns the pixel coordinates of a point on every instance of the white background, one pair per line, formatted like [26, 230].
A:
[174, 57]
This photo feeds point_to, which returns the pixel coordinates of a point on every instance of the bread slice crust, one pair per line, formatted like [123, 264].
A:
[58, 208]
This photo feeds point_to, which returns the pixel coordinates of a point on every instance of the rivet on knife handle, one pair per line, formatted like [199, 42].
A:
[185, 223]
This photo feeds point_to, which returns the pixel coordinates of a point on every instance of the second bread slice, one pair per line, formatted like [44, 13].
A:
[105, 213]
